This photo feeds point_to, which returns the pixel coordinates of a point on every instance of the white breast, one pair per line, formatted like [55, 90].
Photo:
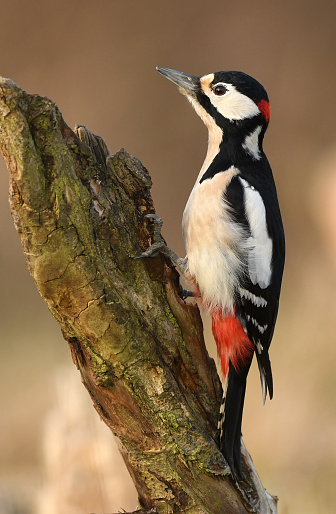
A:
[215, 244]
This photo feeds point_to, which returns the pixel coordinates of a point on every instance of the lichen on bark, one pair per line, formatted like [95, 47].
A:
[80, 214]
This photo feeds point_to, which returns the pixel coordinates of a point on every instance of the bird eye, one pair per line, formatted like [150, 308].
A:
[220, 90]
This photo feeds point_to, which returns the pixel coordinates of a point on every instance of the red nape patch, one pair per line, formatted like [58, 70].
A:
[265, 109]
[232, 341]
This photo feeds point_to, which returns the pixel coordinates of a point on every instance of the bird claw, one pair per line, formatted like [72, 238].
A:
[152, 251]
[159, 245]
[185, 293]
[158, 222]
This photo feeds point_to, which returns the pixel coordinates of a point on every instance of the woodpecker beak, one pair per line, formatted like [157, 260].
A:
[188, 84]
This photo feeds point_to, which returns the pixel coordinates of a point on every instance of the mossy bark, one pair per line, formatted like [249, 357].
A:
[80, 214]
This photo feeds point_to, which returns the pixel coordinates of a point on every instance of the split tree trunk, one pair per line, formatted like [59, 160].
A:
[80, 214]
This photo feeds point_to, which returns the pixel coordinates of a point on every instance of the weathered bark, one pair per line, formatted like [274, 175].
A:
[80, 214]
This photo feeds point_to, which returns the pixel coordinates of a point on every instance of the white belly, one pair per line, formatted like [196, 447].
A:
[215, 244]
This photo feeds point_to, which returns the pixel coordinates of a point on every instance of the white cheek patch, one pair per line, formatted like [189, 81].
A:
[233, 105]
[260, 244]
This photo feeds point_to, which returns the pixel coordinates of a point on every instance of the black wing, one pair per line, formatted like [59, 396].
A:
[254, 205]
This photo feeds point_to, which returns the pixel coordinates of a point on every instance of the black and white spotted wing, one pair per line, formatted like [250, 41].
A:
[257, 298]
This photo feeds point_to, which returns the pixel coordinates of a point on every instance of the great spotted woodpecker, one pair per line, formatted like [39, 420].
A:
[234, 236]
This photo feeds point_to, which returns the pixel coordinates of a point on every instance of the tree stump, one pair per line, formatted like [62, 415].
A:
[140, 350]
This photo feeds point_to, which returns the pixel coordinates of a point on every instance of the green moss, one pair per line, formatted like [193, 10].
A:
[102, 369]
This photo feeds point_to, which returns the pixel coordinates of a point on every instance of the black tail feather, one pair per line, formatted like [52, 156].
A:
[232, 419]
[237, 441]
[265, 371]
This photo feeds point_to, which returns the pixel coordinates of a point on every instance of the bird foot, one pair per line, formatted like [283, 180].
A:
[159, 245]
[185, 293]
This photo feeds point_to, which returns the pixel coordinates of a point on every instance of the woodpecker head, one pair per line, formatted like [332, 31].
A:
[236, 111]
[227, 96]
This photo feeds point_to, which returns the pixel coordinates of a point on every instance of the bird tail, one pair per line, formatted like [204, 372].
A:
[230, 418]
[235, 352]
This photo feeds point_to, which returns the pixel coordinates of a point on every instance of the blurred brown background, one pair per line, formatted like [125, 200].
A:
[96, 60]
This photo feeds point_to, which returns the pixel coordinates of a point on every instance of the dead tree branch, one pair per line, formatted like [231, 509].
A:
[80, 214]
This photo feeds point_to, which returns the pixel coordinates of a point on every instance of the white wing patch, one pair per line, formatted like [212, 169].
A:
[260, 244]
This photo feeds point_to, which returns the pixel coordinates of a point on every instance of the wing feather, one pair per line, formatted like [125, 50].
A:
[257, 298]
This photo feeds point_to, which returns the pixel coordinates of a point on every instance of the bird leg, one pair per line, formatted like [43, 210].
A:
[159, 246]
